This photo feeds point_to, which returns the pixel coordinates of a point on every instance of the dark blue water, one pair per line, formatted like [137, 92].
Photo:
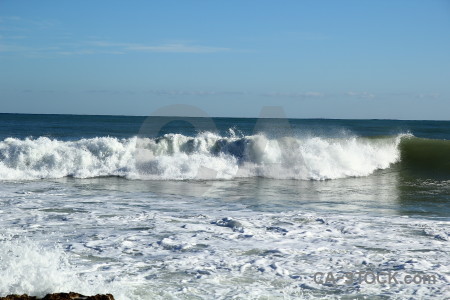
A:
[69, 127]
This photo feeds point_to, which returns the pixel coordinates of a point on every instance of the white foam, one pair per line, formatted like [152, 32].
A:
[28, 267]
[205, 156]
[47, 158]
[137, 245]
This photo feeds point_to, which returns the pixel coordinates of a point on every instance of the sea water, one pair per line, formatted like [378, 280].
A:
[223, 208]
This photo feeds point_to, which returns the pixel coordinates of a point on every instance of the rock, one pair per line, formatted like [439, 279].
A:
[18, 297]
[59, 296]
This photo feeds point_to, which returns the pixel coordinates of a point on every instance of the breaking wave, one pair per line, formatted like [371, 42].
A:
[208, 156]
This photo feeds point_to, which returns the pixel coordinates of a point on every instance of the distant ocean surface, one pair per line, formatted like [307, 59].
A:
[223, 208]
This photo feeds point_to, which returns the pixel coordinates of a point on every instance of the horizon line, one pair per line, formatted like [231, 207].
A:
[217, 117]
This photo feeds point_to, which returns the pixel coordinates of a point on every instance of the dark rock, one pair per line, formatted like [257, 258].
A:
[18, 297]
[59, 296]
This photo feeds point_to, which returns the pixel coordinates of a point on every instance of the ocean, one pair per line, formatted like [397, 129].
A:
[224, 208]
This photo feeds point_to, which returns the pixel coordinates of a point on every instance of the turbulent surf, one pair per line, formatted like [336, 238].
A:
[205, 156]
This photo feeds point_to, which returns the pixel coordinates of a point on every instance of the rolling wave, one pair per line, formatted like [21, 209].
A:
[210, 156]
[426, 155]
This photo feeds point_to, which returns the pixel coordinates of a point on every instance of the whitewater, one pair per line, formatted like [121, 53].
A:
[205, 156]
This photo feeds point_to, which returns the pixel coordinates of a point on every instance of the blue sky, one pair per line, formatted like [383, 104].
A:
[325, 59]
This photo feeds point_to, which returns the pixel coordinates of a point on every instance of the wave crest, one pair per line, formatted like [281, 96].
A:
[205, 156]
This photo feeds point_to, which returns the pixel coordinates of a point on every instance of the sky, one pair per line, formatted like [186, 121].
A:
[316, 59]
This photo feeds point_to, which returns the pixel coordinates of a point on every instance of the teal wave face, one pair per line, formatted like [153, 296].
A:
[425, 155]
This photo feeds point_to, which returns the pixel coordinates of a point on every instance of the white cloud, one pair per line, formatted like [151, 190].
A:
[365, 95]
[166, 48]
[295, 94]
[99, 47]
[194, 93]
[172, 92]
[12, 48]
[4, 19]
[428, 96]
[178, 48]
[23, 38]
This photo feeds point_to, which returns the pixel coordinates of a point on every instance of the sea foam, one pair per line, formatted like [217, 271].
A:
[29, 267]
[205, 156]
